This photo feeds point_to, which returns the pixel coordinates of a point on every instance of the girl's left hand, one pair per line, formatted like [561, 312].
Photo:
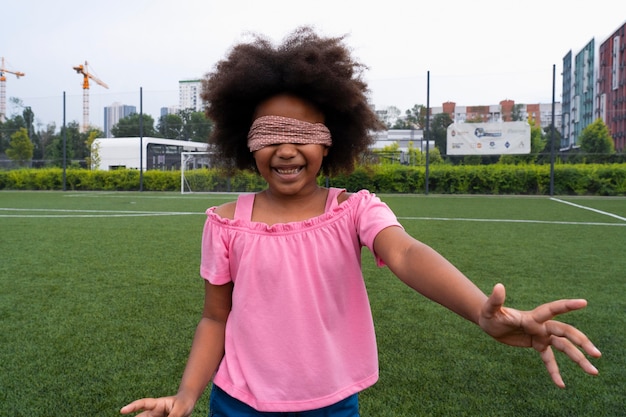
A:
[536, 329]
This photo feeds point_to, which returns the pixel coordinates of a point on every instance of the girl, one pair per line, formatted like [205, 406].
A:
[286, 327]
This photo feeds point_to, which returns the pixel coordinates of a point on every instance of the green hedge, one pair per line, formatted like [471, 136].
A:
[605, 180]
[591, 179]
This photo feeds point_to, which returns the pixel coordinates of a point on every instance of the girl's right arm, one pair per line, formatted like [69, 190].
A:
[426, 271]
[206, 353]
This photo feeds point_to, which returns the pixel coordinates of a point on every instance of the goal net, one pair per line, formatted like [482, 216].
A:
[194, 172]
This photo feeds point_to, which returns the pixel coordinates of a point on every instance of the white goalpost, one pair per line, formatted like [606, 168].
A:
[193, 174]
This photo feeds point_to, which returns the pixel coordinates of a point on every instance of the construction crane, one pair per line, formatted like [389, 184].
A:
[82, 69]
[3, 92]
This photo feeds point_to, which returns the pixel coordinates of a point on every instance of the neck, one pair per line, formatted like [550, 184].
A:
[303, 195]
[271, 207]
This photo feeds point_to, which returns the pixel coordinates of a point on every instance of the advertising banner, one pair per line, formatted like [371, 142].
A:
[488, 138]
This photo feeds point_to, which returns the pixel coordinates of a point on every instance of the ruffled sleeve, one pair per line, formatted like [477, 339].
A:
[214, 261]
[371, 216]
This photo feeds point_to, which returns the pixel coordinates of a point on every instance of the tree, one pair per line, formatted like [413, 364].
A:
[546, 154]
[170, 126]
[78, 143]
[516, 113]
[29, 120]
[537, 139]
[596, 142]
[76, 148]
[185, 125]
[17, 122]
[389, 116]
[414, 118]
[389, 154]
[199, 127]
[42, 139]
[20, 148]
[439, 131]
[93, 160]
[434, 156]
[8, 128]
[129, 126]
[54, 151]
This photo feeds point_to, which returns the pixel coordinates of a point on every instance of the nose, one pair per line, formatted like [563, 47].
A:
[286, 150]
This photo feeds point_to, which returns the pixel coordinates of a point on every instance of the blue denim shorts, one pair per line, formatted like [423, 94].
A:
[223, 405]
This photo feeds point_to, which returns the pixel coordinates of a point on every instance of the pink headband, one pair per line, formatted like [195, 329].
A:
[272, 130]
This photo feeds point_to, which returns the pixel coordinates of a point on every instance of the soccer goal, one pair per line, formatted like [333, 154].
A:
[194, 174]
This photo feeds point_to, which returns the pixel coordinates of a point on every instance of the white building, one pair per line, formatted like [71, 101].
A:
[404, 138]
[155, 153]
[189, 95]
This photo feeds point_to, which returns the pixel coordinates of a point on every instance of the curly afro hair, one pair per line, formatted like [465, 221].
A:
[317, 69]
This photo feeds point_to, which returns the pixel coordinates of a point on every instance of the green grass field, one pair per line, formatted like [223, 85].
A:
[100, 295]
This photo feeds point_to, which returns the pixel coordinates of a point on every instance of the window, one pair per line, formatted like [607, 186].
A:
[615, 66]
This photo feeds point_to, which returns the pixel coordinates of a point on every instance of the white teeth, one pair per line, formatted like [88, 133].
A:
[288, 171]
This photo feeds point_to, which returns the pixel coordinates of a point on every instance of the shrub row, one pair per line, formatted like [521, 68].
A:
[592, 179]
[605, 180]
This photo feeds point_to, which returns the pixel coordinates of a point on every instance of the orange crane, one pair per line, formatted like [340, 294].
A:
[82, 69]
[3, 93]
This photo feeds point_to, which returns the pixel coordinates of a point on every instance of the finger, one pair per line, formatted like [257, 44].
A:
[549, 310]
[571, 333]
[142, 404]
[567, 347]
[547, 356]
[495, 301]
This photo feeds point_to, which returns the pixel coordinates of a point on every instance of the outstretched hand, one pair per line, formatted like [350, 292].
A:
[157, 407]
[536, 329]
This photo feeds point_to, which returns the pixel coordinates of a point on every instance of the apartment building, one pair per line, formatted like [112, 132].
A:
[505, 111]
[610, 102]
[580, 72]
[594, 86]
[113, 114]
[189, 95]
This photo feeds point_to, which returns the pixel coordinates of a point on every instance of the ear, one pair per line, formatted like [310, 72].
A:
[254, 165]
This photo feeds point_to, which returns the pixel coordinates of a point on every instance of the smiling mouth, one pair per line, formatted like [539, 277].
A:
[288, 171]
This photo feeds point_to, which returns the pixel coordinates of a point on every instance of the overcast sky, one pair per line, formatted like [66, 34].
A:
[477, 52]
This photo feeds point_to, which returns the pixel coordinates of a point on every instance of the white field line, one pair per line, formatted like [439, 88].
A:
[458, 219]
[606, 213]
[57, 213]
[89, 213]
[203, 196]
